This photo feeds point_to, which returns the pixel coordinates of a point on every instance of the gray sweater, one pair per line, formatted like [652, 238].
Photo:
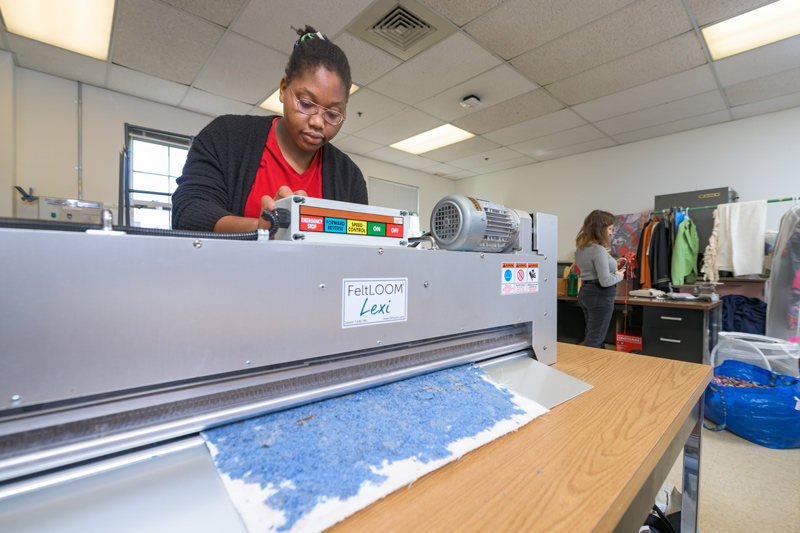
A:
[594, 262]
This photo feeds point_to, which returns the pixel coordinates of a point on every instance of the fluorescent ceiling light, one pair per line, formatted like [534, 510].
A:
[762, 26]
[433, 139]
[273, 103]
[82, 26]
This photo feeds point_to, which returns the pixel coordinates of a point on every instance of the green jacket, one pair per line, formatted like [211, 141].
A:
[684, 253]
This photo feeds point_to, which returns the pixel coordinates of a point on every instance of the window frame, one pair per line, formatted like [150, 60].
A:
[153, 136]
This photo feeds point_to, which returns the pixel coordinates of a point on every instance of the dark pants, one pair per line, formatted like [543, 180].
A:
[597, 303]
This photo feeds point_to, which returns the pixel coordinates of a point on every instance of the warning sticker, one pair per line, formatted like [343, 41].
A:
[519, 278]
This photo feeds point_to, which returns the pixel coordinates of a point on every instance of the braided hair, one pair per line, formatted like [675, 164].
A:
[312, 51]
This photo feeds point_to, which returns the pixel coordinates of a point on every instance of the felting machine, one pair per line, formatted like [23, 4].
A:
[119, 345]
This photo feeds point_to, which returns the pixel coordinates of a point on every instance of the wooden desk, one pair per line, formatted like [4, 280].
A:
[674, 329]
[594, 463]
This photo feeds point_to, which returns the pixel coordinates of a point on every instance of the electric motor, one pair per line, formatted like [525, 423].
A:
[467, 224]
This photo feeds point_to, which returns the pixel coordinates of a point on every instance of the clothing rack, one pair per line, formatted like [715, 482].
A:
[791, 198]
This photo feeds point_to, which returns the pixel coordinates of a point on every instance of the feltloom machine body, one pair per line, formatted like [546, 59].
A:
[118, 349]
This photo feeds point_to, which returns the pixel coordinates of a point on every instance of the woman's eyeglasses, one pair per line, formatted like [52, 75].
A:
[307, 107]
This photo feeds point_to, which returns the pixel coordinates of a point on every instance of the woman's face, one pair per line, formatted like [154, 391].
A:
[322, 87]
[610, 230]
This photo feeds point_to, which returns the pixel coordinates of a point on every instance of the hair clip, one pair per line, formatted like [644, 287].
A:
[307, 36]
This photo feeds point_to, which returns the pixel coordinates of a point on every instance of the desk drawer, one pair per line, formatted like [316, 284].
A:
[672, 317]
[673, 343]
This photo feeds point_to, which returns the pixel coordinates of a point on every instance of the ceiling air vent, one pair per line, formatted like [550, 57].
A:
[402, 28]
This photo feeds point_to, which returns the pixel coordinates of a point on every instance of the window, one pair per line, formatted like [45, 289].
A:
[386, 193]
[152, 162]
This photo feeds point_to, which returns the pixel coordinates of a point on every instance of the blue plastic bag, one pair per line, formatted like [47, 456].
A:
[769, 417]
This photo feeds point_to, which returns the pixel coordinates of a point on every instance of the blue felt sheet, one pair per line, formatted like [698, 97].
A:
[330, 449]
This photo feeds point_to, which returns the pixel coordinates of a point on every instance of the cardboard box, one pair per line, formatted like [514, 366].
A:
[628, 343]
[561, 286]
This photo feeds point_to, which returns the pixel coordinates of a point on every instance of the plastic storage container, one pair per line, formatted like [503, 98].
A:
[766, 352]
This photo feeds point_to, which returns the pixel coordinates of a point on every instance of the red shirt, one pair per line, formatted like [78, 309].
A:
[275, 172]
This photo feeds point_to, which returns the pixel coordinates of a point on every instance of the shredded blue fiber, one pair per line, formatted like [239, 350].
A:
[326, 449]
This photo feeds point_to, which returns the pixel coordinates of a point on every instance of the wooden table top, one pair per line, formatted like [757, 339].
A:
[594, 453]
[655, 302]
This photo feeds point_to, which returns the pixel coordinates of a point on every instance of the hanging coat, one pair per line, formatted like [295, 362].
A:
[684, 254]
[660, 257]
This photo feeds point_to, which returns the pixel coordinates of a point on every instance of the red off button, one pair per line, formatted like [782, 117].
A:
[393, 230]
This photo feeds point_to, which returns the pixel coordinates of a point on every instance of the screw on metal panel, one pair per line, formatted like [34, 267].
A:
[544, 347]
[545, 258]
[379, 342]
[545, 313]
[299, 199]
[482, 254]
[462, 329]
[380, 251]
[404, 213]
[198, 243]
[426, 283]
[247, 363]
[403, 243]
[322, 286]
[545, 279]
[298, 236]
[15, 399]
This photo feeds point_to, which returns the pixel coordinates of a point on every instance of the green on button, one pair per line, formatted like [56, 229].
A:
[376, 228]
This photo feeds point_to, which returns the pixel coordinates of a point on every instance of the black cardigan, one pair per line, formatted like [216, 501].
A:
[221, 168]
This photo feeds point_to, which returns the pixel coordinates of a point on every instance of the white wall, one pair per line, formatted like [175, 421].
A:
[46, 133]
[758, 157]
[431, 188]
[6, 133]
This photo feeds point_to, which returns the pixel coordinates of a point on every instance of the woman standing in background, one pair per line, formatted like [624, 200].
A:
[599, 275]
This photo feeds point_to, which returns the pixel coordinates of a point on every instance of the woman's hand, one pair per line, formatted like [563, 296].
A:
[621, 272]
[268, 203]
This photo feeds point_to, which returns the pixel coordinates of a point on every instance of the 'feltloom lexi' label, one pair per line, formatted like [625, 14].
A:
[373, 301]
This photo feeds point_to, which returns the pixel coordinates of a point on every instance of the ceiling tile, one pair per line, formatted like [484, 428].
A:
[462, 11]
[517, 26]
[505, 165]
[449, 62]
[372, 106]
[212, 104]
[492, 87]
[767, 106]
[687, 83]
[43, 57]
[775, 57]
[270, 21]
[217, 11]
[242, 70]
[664, 59]
[160, 40]
[630, 29]
[125, 80]
[355, 145]
[576, 149]
[367, 62]
[442, 169]
[674, 127]
[558, 140]
[461, 149]
[402, 125]
[491, 157]
[521, 108]
[779, 84]
[385, 153]
[708, 11]
[537, 127]
[668, 112]
[416, 162]
[464, 174]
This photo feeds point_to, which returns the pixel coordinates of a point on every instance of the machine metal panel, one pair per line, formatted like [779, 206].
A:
[166, 309]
